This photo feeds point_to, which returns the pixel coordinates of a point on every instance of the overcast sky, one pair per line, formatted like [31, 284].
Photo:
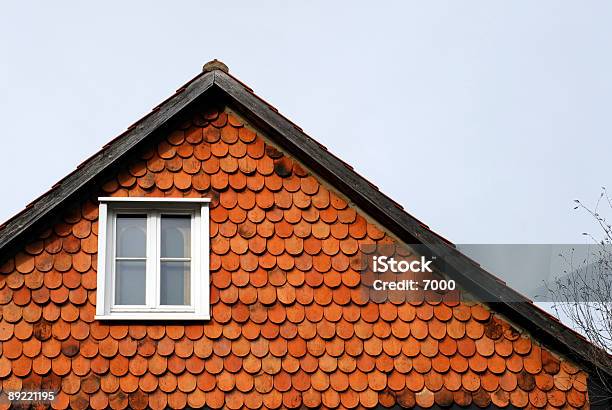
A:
[484, 119]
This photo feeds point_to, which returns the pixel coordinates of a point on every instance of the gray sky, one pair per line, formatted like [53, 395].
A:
[484, 119]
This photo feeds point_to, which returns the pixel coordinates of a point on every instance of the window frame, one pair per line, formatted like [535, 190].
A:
[153, 209]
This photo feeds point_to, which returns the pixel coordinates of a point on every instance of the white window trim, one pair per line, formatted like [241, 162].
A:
[200, 285]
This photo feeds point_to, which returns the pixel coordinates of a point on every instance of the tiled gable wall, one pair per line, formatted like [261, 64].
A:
[290, 325]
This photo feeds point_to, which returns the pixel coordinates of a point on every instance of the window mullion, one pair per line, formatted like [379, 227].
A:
[151, 258]
[157, 258]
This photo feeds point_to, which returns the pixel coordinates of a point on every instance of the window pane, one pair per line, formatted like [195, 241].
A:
[175, 236]
[131, 236]
[130, 283]
[175, 283]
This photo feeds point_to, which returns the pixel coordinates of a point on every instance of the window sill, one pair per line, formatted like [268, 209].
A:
[152, 316]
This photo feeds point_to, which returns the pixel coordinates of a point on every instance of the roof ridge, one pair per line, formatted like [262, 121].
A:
[291, 137]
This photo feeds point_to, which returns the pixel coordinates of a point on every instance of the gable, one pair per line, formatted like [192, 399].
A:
[289, 325]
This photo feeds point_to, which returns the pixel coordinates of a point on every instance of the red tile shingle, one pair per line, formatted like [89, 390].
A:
[289, 326]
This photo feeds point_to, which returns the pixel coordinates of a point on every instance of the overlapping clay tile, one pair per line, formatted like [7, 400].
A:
[290, 325]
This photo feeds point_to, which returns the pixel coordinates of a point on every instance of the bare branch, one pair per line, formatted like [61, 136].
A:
[583, 295]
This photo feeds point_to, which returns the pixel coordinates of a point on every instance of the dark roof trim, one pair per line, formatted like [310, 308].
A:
[291, 138]
[101, 161]
[406, 227]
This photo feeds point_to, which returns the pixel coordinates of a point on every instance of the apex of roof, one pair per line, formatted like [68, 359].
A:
[214, 82]
[215, 65]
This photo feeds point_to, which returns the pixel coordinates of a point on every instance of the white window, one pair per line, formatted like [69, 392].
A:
[153, 259]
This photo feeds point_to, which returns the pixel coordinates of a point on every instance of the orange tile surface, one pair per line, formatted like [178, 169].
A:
[289, 326]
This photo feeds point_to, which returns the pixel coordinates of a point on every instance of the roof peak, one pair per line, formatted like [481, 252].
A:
[330, 168]
[215, 65]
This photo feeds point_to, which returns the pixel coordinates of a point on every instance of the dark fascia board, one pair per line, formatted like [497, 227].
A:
[469, 274]
[66, 189]
[336, 172]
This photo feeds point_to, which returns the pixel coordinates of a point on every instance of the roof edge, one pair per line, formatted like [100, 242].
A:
[403, 225]
[341, 176]
[86, 172]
